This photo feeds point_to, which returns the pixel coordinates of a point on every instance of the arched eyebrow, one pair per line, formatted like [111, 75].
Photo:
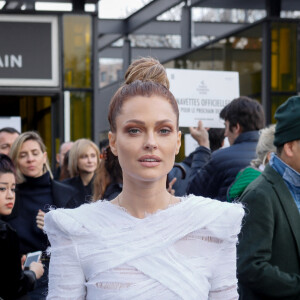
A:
[143, 123]
[135, 121]
[164, 121]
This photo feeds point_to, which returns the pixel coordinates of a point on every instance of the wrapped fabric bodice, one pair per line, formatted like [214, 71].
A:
[187, 251]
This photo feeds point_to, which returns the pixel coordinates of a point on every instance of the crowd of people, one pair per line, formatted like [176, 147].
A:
[124, 221]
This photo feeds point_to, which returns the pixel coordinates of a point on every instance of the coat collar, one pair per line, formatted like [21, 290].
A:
[248, 136]
[61, 195]
[288, 203]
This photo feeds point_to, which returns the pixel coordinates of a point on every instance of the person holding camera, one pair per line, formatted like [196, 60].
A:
[15, 283]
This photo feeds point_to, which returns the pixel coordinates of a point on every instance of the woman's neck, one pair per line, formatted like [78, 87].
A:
[86, 177]
[141, 198]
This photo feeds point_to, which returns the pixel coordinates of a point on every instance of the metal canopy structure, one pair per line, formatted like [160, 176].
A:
[144, 22]
[15, 5]
[117, 38]
[141, 23]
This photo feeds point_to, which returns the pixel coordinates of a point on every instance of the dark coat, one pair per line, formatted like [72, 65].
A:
[62, 194]
[112, 191]
[181, 171]
[14, 283]
[212, 177]
[269, 244]
[84, 193]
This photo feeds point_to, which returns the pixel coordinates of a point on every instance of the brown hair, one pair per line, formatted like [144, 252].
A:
[247, 112]
[138, 88]
[108, 172]
[147, 69]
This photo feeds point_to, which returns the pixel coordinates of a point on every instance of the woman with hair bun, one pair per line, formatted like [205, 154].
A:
[145, 243]
[147, 69]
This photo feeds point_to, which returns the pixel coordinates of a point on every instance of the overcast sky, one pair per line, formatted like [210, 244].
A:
[119, 9]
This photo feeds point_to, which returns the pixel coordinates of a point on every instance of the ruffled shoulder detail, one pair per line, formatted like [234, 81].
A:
[227, 220]
[65, 221]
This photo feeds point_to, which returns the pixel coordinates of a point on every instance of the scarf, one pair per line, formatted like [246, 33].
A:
[289, 175]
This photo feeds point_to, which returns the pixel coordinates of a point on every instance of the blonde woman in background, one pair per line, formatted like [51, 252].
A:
[36, 193]
[84, 159]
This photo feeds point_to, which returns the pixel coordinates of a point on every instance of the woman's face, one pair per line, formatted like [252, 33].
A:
[146, 140]
[7, 193]
[88, 161]
[31, 159]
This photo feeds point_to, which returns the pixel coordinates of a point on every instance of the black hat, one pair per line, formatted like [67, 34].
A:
[288, 121]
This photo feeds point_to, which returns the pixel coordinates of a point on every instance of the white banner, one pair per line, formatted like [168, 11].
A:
[190, 144]
[201, 95]
[14, 122]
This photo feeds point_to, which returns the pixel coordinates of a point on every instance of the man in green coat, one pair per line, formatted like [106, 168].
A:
[268, 265]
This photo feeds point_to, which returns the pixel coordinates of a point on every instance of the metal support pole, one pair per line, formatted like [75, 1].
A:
[95, 68]
[78, 5]
[186, 27]
[266, 71]
[126, 54]
[54, 127]
[273, 8]
[298, 58]
[61, 132]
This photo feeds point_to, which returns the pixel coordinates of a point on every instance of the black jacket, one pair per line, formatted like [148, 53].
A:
[14, 283]
[212, 177]
[181, 171]
[84, 193]
[112, 191]
[61, 194]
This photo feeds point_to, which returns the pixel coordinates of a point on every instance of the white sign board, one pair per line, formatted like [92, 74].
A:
[190, 144]
[14, 122]
[201, 95]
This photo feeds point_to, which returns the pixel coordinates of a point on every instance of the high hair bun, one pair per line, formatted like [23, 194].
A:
[147, 69]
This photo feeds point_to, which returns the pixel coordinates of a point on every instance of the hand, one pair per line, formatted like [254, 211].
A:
[170, 190]
[200, 134]
[37, 268]
[40, 219]
[23, 258]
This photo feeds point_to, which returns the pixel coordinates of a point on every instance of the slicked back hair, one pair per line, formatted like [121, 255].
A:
[138, 88]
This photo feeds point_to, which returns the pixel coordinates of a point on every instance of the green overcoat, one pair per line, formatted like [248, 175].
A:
[268, 265]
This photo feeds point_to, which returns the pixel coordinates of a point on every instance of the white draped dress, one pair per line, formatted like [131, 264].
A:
[187, 251]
